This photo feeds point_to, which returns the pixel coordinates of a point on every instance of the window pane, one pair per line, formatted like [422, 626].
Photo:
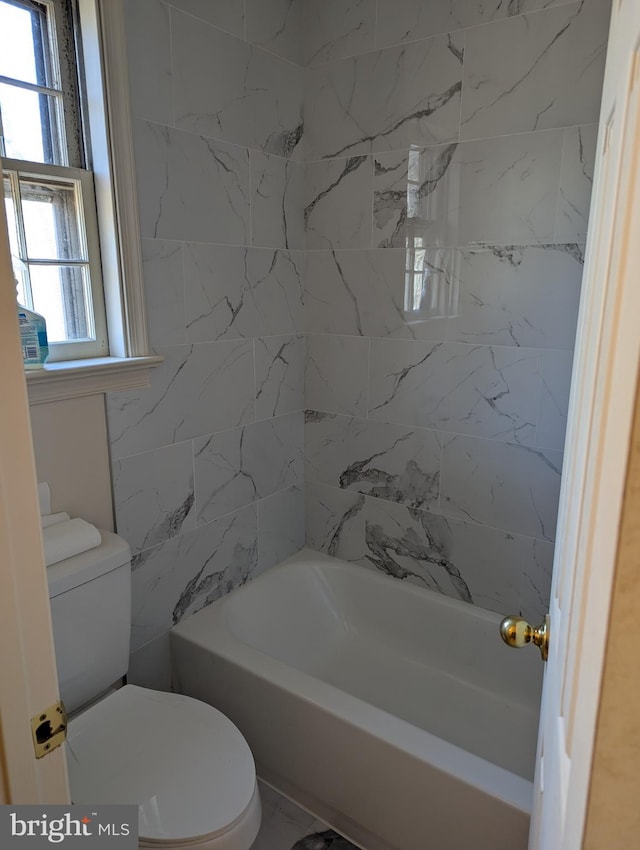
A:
[23, 44]
[30, 125]
[51, 223]
[61, 294]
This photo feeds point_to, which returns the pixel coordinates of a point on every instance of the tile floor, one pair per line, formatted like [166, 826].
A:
[284, 823]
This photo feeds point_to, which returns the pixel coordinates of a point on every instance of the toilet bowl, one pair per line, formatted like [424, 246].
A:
[183, 763]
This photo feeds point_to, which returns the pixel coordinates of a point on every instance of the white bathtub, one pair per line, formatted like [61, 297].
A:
[395, 714]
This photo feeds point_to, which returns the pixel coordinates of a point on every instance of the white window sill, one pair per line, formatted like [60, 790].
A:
[74, 378]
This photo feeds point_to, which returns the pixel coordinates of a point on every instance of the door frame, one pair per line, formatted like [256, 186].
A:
[27, 659]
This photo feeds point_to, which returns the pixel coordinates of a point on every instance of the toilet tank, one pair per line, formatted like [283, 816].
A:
[91, 611]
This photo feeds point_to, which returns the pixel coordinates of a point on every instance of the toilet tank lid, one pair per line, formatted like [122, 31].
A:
[112, 553]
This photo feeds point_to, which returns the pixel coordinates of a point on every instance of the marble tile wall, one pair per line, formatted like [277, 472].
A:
[450, 149]
[208, 461]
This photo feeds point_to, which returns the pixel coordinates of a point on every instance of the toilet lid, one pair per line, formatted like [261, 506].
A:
[182, 762]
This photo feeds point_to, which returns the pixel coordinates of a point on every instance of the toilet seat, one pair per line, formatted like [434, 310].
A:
[181, 761]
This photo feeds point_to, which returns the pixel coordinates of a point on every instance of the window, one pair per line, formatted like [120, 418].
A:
[48, 189]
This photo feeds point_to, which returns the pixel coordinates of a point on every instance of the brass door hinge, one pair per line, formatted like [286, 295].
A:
[49, 729]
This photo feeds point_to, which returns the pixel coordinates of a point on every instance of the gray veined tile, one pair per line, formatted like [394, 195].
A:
[335, 521]
[177, 578]
[277, 26]
[226, 89]
[149, 60]
[554, 399]
[233, 292]
[228, 15]
[280, 363]
[336, 374]
[373, 458]
[512, 295]
[385, 100]
[337, 28]
[535, 582]
[164, 291]
[190, 187]
[515, 488]
[277, 198]
[338, 209]
[416, 198]
[509, 188]
[239, 466]
[183, 400]
[536, 71]
[385, 293]
[576, 183]
[409, 20]
[489, 392]
[153, 495]
[281, 526]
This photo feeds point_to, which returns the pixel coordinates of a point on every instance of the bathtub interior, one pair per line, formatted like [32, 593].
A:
[433, 662]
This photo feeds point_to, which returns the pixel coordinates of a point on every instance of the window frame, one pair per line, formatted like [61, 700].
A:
[103, 45]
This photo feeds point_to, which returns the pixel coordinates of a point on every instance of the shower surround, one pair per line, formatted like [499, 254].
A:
[433, 212]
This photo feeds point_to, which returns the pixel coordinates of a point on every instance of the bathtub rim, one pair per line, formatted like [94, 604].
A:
[208, 629]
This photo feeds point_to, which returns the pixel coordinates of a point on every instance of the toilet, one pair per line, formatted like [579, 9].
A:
[184, 764]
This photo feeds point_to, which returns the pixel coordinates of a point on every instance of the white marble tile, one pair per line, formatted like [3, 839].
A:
[511, 295]
[554, 399]
[198, 389]
[233, 292]
[509, 188]
[280, 362]
[190, 187]
[576, 183]
[384, 293]
[385, 100]
[335, 521]
[281, 526]
[187, 573]
[149, 60]
[226, 89]
[150, 666]
[416, 197]
[337, 28]
[278, 26]
[515, 488]
[153, 495]
[535, 583]
[536, 71]
[464, 560]
[489, 392]
[336, 374]
[409, 20]
[277, 200]
[283, 823]
[374, 458]
[164, 292]
[228, 15]
[236, 467]
[338, 203]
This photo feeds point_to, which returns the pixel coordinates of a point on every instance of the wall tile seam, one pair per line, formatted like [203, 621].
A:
[206, 434]
[222, 141]
[454, 141]
[439, 341]
[380, 47]
[299, 485]
[465, 520]
[457, 246]
[440, 433]
[242, 38]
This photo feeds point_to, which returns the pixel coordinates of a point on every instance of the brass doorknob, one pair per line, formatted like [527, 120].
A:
[517, 633]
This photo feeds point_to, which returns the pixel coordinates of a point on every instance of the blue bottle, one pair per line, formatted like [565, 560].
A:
[33, 338]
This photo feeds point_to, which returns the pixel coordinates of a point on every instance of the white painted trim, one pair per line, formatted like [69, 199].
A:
[107, 83]
[27, 661]
[75, 378]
